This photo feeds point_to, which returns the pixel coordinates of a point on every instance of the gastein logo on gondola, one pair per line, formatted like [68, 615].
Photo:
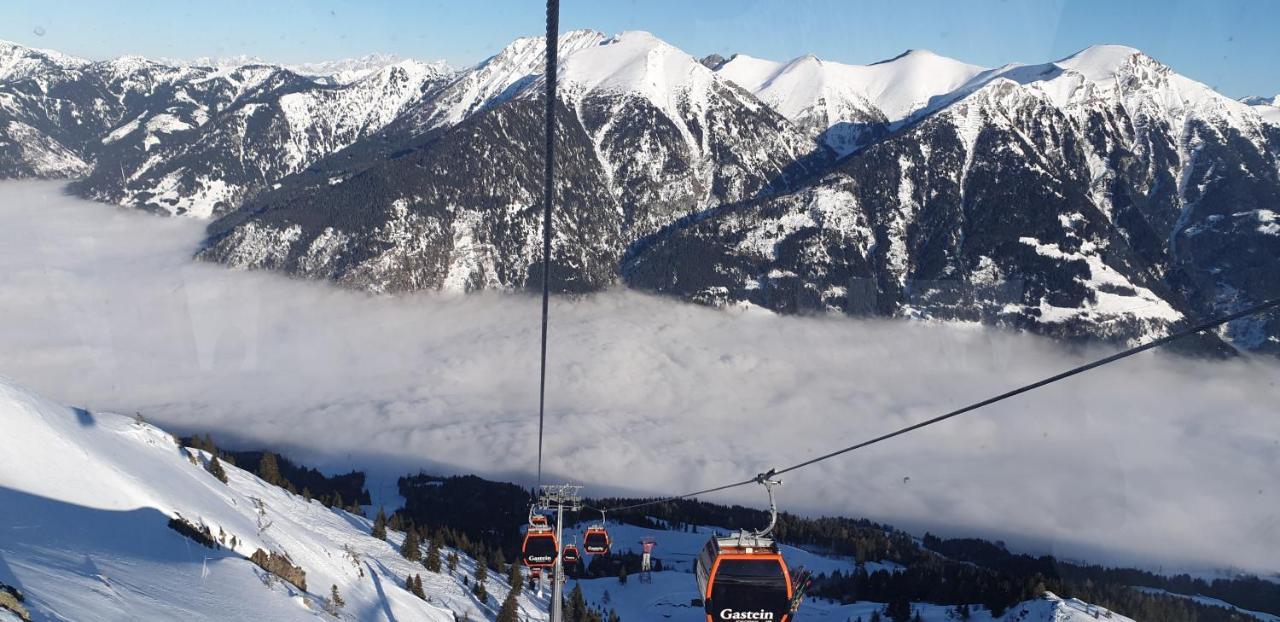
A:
[538, 559]
[729, 614]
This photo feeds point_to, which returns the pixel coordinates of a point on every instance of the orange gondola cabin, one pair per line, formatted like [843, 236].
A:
[596, 540]
[540, 548]
[570, 554]
[744, 577]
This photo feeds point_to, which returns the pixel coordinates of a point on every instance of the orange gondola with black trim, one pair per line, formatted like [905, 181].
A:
[570, 554]
[744, 576]
[596, 540]
[540, 548]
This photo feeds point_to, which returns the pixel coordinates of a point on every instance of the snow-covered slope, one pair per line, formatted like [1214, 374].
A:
[86, 498]
[848, 105]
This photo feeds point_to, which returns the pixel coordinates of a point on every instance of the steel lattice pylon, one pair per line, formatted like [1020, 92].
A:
[559, 497]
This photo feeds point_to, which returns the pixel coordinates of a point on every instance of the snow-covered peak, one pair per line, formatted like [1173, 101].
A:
[19, 61]
[897, 87]
[1267, 107]
[1099, 63]
[528, 54]
[498, 77]
[128, 65]
[1261, 100]
[1139, 82]
[350, 70]
[634, 62]
[823, 95]
[218, 62]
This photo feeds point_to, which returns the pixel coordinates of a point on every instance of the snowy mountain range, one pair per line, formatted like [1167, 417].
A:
[1100, 196]
[100, 512]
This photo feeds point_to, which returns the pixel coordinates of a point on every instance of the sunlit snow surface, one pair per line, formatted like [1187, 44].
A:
[1157, 461]
[86, 497]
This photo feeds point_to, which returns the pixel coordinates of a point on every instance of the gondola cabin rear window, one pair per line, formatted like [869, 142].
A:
[749, 589]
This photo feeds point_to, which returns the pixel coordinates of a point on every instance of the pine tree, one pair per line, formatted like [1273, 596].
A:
[510, 609]
[875, 616]
[576, 607]
[335, 600]
[410, 549]
[380, 525]
[416, 587]
[514, 579]
[482, 571]
[215, 469]
[433, 556]
[269, 470]
[622, 575]
[452, 562]
[898, 610]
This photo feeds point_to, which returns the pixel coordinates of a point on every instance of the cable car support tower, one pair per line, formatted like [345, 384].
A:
[559, 498]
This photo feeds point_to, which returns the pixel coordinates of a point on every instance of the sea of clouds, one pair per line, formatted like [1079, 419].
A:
[1159, 460]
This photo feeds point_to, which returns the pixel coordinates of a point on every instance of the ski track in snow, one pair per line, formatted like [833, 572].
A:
[104, 308]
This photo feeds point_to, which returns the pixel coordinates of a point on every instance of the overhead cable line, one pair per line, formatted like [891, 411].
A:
[1186, 332]
[553, 43]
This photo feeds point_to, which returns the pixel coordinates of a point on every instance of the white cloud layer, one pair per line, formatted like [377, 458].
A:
[1158, 460]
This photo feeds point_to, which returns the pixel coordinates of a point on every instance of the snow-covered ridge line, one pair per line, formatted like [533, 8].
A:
[339, 71]
[839, 99]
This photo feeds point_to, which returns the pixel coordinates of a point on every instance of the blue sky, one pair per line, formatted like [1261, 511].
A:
[1228, 44]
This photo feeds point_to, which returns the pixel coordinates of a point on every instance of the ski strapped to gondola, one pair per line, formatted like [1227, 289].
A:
[801, 580]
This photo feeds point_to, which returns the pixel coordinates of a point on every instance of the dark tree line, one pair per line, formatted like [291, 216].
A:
[479, 517]
[345, 491]
[1247, 592]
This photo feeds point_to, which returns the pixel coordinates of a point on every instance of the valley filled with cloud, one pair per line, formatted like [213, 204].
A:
[1160, 460]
